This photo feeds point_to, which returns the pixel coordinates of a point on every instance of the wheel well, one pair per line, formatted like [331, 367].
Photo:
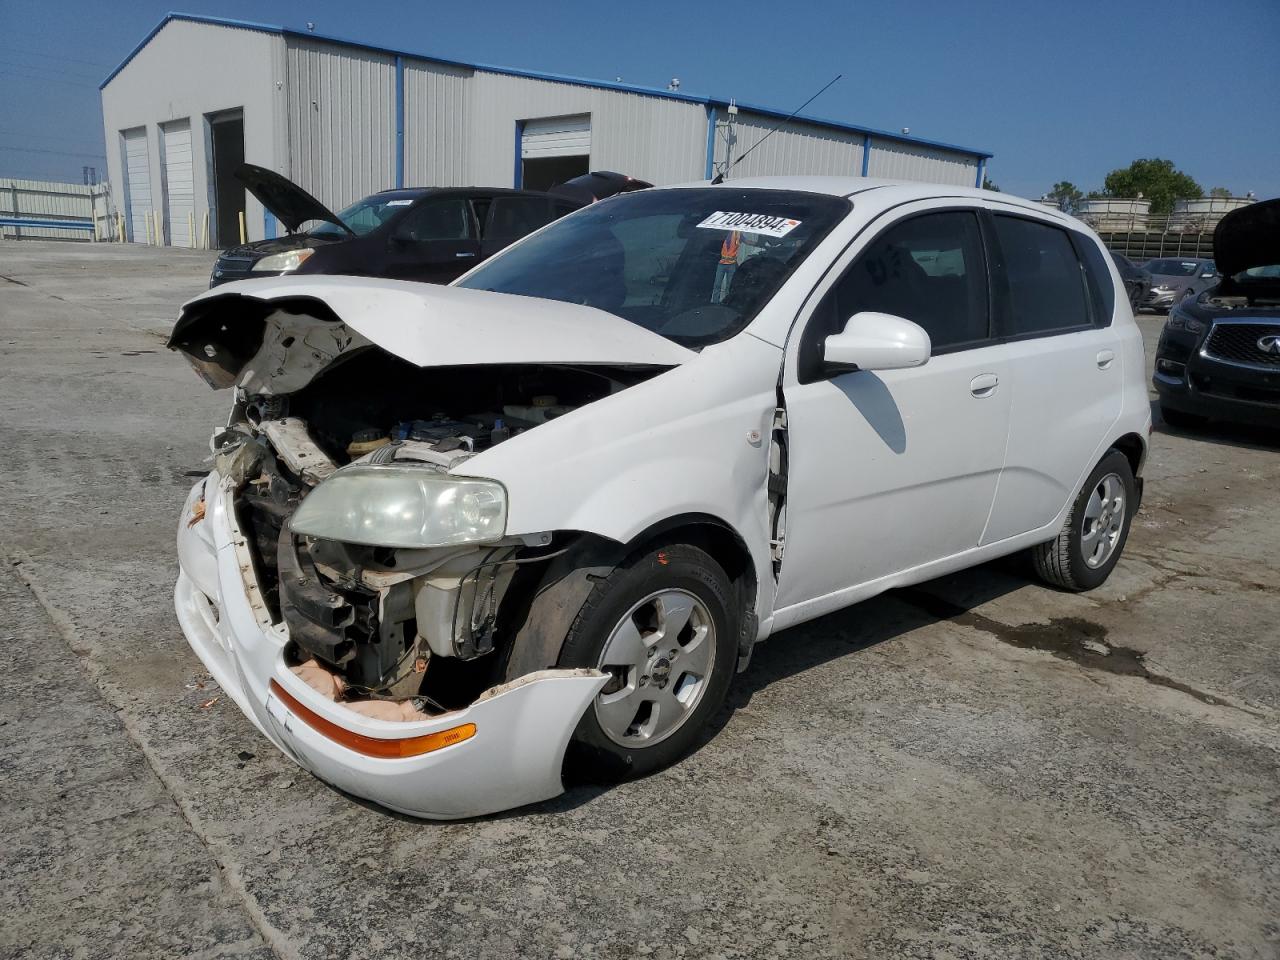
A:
[1134, 450]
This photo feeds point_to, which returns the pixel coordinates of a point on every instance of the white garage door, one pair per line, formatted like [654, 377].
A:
[179, 185]
[556, 137]
[137, 182]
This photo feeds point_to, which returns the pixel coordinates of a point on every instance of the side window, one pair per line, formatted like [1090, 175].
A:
[512, 217]
[437, 220]
[1046, 287]
[1102, 291]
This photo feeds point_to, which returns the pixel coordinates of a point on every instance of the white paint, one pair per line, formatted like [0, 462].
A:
[179, 182]
[138, 183]
[895, 475]
[556, 137]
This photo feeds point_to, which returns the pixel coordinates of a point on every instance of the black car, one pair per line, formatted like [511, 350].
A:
[1136, 280]
[429, 234]
[1219, 352]
[598, 185]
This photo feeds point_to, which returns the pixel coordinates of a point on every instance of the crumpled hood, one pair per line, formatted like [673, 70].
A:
[1248, 237]
[265, 326]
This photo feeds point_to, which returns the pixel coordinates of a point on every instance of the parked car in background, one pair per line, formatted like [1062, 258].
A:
[1137, 281]
[1219, 352]
[598, 185]
[451, 533]
[420, 233]
[1174, 278]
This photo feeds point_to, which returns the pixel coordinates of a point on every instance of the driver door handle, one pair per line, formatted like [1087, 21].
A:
[465, 253]
[984, 385]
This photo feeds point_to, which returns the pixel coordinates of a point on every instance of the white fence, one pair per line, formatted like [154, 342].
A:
[44, 210]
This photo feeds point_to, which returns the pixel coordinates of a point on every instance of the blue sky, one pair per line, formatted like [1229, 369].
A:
[1055, 90]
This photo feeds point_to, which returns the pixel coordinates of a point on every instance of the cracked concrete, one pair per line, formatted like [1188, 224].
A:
[898, 779]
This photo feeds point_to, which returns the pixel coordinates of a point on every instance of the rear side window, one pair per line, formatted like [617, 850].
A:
[512, 217]
[1046, 287]
[1102, 291]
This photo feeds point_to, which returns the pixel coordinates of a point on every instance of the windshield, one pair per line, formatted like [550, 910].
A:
[1177, 268]
[364, 216]
[691, 265]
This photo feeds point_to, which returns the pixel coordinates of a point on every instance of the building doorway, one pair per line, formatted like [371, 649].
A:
[553, 150]
[225, 153]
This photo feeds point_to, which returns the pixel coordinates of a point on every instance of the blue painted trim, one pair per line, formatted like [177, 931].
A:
[46, 224]
[982, 173]
[866, 153]
[399, 144]
[536, 75]
[711, 142]
[268, 225]
[517, 178]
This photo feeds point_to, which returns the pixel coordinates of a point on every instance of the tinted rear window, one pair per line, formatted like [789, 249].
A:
[1046, 289]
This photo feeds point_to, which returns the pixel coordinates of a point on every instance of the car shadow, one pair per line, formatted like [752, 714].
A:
[1220, 432]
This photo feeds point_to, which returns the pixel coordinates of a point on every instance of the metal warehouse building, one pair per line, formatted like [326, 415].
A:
[199, 95]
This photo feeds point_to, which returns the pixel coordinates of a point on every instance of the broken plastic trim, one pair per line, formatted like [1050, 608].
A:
[390, 748]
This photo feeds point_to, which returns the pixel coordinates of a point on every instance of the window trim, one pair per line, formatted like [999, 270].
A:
[806, 377]
[1006, 308]
[1079, 241]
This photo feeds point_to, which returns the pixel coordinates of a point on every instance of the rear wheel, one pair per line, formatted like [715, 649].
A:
[661, 626]
[1083, 555]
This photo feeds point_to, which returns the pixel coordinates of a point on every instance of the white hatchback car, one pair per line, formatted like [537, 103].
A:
[457, 537]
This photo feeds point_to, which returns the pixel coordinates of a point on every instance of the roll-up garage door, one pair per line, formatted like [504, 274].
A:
[137, 182]
[556, 137]
[179, 185]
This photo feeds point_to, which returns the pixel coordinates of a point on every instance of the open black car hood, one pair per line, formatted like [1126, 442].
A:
[1248, 237]
[292, 205]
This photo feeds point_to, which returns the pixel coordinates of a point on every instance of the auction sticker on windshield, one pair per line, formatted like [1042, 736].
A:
[764, 223]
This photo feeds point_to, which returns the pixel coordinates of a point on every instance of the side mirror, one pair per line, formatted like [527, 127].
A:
[876, 341]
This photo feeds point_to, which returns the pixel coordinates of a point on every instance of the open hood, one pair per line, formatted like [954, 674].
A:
[1248, 237]
[274, 335]
[291, 205]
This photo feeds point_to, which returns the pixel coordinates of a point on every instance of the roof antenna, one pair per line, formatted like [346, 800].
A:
[720, 176]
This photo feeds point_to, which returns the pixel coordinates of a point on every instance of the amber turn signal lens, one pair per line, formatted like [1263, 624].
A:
[374, 746]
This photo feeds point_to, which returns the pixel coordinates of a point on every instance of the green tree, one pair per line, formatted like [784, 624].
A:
[1066, 194]
[989, 184]
[1219, 192]
[1157, 180]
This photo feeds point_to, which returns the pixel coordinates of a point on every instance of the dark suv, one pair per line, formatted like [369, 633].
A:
[1219, 352]
[429, 234]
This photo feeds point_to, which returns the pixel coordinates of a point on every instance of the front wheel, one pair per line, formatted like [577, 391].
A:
[1083, 555]
[662, 627]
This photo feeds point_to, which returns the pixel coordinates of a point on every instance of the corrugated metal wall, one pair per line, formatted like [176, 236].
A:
[662, 141]
[797, 148]
[437, 125]
[342, 125]
[905, 161]
[55, 201]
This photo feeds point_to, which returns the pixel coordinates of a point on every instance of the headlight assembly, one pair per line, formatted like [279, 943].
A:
[1180, 321]
[398, 505]
[289, 260]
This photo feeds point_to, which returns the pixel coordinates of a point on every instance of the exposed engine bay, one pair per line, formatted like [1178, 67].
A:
[414, 630]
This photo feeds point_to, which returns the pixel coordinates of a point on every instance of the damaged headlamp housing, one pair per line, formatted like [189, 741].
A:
[402, 505]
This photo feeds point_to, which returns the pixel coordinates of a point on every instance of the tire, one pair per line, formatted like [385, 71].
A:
[1179, 420]
[1078, 561]
[650, 713]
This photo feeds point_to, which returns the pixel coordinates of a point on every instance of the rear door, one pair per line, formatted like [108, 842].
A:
[1055, 305]
[434, 242]
[890, 470]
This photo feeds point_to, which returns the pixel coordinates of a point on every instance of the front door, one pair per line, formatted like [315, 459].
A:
[891, 470]
[434, 242]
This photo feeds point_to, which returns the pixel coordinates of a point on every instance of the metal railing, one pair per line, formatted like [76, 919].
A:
[47, 210]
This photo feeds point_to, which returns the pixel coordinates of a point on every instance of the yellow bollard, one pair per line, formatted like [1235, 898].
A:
[120, 227]
[191, 230]
[146, 223]
[243, 237]
[159, 229]
[204, 233]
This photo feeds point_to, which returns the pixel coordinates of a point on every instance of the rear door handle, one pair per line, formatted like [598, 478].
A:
[1105, 357]
[984, 385]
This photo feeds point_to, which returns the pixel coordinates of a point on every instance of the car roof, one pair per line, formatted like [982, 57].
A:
[890, 191]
